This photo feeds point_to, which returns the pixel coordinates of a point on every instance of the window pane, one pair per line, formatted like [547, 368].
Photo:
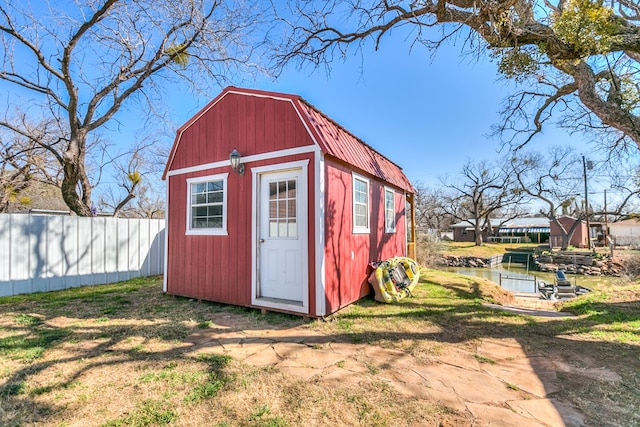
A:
[389, 224]
[282, 190]
[215, 197]
[291, 209]
[273, 191]
[389, 199]
[215, 210]
[200, 199]
[215, 186]
[282, 229]
[293, 228]
[273, 228]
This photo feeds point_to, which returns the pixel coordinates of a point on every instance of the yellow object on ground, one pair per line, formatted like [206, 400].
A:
[394, 279]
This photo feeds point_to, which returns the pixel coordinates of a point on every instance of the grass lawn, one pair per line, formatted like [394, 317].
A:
[486, 250]
[116, 355]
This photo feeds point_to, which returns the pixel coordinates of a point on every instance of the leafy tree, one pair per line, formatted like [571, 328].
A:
[577, 59]
[81, 63]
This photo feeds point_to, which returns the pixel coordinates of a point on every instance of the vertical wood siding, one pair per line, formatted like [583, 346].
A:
[218, 268]
[347, 254]
[250, 124]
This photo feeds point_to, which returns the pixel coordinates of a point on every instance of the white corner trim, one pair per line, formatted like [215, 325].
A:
[319, 188]
[166, 239]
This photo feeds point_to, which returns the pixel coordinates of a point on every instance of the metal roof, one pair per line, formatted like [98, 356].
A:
[525, 230]
[340, 143]
[531, 222]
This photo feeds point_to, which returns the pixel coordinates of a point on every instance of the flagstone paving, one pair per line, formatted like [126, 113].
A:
[512, 388]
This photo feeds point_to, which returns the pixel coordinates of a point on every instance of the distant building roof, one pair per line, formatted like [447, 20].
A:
[625, 222]
[530, 223]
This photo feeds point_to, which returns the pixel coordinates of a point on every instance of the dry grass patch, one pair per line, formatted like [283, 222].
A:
[117, 355]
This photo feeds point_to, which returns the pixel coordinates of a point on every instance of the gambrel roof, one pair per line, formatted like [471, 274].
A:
[331, 138]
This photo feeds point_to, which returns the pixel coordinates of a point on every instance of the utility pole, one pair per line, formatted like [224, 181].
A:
[606, 219]
[586, 199]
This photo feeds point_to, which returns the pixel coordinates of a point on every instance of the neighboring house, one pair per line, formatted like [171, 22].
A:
[517, 230]
[626, 232]
[579, 237]
[294, 230]
[465, 232]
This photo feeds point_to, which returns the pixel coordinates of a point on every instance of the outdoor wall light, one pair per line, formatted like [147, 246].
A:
[234, 159]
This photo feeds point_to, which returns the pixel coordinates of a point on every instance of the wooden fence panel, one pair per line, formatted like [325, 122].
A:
[45, 253]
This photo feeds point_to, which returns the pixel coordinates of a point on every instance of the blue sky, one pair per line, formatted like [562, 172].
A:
[428, 115]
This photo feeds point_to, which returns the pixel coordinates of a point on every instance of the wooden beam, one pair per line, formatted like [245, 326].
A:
[411, 231]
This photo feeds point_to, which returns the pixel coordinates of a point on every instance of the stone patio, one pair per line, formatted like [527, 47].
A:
[514, 389]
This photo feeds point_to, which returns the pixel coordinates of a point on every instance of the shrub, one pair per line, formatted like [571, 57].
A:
[631, 266]
[429, 249]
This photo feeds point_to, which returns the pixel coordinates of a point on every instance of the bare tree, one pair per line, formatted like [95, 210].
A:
[134, 171]
[558, 180]
[577, 59]
[82, 63]
[23, 160]
[430, 214]
[483, 190]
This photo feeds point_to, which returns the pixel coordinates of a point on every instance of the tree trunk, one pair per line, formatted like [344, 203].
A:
[76, 190]
[478, 235]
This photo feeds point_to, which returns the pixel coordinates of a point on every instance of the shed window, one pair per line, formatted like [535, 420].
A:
[389, 211]
[360, 205]
[207, 205]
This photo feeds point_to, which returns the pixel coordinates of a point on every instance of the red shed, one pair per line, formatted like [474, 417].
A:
[295, 227]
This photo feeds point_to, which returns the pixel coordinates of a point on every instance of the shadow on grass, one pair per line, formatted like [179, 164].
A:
[112, 321]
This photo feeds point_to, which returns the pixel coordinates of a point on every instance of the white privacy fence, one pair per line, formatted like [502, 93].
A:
[47, 253]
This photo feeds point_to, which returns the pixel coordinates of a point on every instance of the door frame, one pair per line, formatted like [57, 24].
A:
[256, 180]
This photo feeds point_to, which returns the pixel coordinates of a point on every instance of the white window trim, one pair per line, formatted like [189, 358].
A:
[393, 227]
[356, 229]
[208, 231]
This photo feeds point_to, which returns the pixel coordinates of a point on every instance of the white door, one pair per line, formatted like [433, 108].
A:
[282, 237]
